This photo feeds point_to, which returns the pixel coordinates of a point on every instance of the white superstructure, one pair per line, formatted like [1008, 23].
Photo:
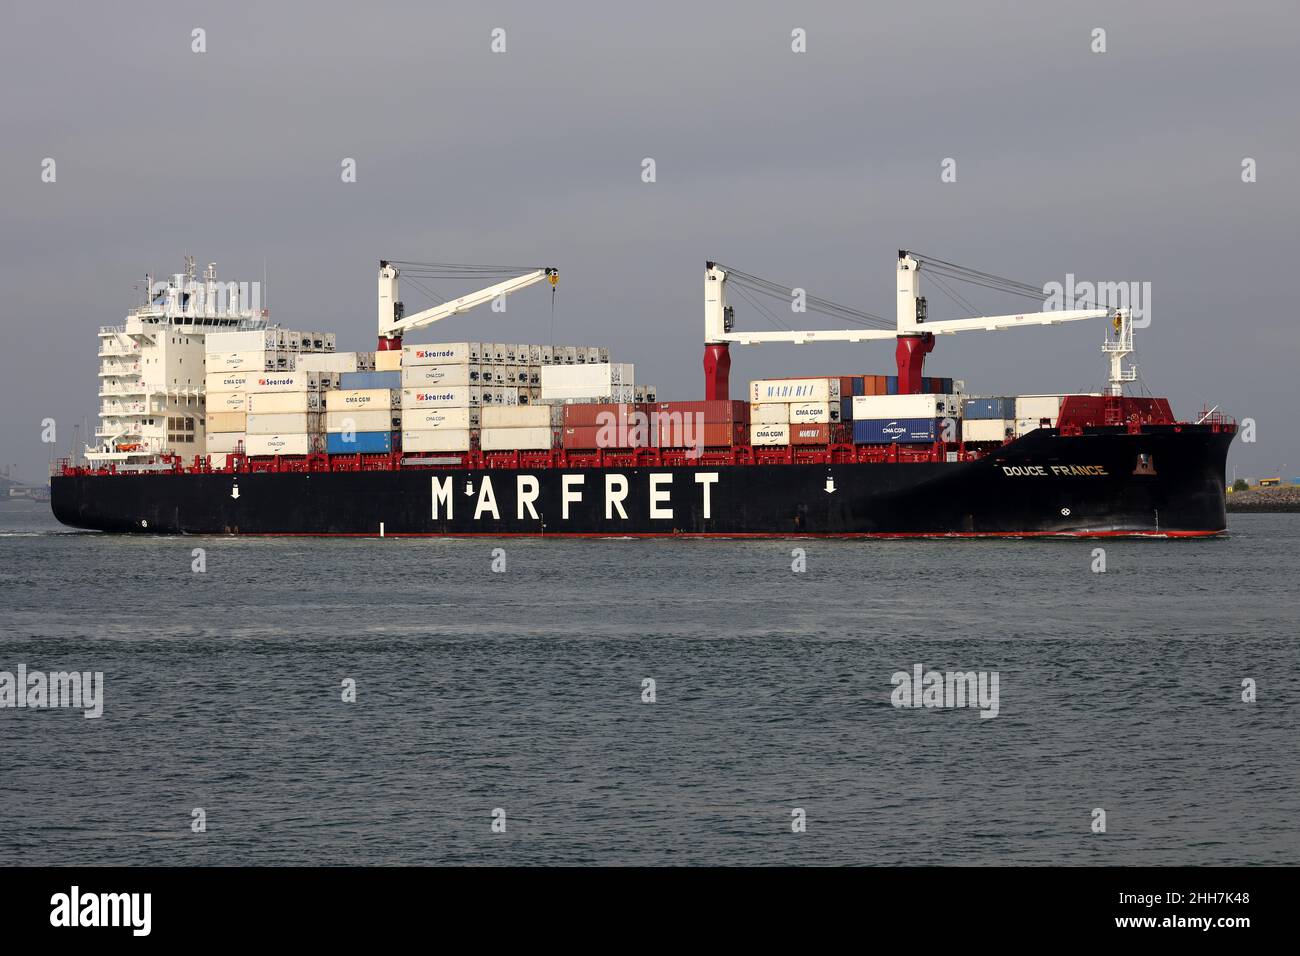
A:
[151, 372]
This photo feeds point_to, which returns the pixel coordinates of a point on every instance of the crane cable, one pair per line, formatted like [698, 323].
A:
[744, 281]
[988, 280]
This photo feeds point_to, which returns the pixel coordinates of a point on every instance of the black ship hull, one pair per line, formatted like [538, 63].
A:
[1166, 480]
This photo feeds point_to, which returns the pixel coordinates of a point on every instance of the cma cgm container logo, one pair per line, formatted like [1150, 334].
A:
[434, 353]
[893, 428]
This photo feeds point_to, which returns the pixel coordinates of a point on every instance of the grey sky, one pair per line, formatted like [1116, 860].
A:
[811, 169]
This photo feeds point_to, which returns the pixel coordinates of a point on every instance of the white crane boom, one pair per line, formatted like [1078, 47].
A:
[911, 319]
[393, 321]
[914, 334]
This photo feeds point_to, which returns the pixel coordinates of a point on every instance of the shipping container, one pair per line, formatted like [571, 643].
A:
[442, 353]
[804, 434]
[362, 443]
[360, 398]
[224, 442]
[794, 390]
[510, 439]
[891, 384]
[259, 340]
[336, 362]
[1026, 425]
[903, 430]
[770, 414]
[227, 402]
[1038, 406]
[437, 439]
[585, 381]
[361, 380]
[923, 405]
[589, 437]
[296, 444]
[225, 421]
[432, 376]
[284, 423]
[875, 385]
[268, 381]
[814, 413]
[769, 434]
[257, 361]
[389, 360]
[517, 416]
[422, 419]
[668, 431]
[463, 396]
[720, 411]
[987, 429]
[264, 403]
[991, 408]
[597, 413]
[356, 420]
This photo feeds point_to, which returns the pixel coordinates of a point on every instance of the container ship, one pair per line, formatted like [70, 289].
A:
[216, 421]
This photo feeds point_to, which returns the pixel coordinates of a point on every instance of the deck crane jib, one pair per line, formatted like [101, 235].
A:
[911, 327]
[393, 320]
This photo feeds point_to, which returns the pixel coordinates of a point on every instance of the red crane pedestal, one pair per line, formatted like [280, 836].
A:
[717, 373]
[910, 354]
[389, 345]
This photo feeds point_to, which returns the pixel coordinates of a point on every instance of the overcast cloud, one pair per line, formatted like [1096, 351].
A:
[810, 169]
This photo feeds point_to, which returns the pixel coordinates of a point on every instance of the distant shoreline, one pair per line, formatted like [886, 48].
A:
[1281, 500]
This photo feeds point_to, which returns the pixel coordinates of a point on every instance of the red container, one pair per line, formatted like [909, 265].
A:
[579, 416]
[715, 412]
[676, 433]
[591, 437]
[873, 385]
[810, 434]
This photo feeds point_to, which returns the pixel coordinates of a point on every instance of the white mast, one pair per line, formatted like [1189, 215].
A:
[1117, 349]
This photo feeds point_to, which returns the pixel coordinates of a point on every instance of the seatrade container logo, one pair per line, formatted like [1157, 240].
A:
[434, 353]
[275, 381]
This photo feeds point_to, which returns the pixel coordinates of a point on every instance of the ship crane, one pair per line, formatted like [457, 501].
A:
[393, 320]
[914, 333]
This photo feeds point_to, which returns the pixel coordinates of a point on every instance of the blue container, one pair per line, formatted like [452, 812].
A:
[846, 409]
[370, 380]
[859, 386]
[989, 407]
[883, 431]
[364, 443]
[891, 385]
